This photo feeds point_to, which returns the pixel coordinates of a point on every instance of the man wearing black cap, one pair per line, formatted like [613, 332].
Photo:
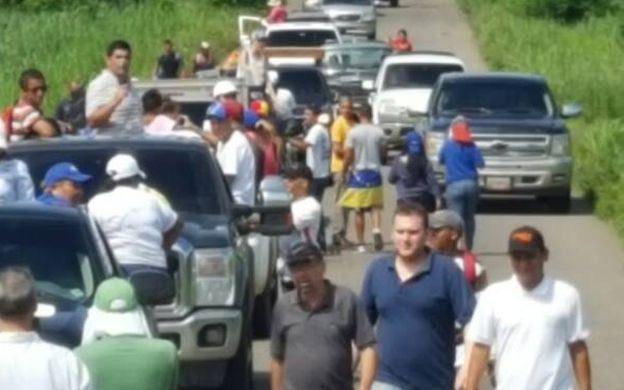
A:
[535, 322]
[314, 328]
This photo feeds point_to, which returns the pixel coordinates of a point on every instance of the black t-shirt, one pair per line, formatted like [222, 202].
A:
[169, 65]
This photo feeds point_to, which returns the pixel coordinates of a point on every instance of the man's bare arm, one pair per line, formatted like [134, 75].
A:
[171, 235]
[368, 357]
[277, 374]
[580, 361]
[102, 114]
[477, 364]
[348, 160]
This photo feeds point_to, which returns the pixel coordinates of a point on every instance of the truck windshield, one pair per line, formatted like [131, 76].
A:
[55, 251]
[495, 98]
[402, 76]
[355, 58]
[188, 179]
[301, 38]
[306, 86]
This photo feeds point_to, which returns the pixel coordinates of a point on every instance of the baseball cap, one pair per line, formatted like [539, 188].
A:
[303, 252]
[123, 166]
[250, 118]
[526, 239]
[446, 219]
[205, 45]
[414, 142]
[324, 119]
[298, 171]
[224, 87]
[64, 171]
[221, 111]
[115, 295]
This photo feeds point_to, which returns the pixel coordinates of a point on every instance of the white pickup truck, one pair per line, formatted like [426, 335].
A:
[400, 94]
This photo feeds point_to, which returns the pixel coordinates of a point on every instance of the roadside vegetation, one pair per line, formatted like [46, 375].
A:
[578, 45]
[68, 42]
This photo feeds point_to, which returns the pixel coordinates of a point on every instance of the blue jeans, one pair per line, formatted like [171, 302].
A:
[462, 197]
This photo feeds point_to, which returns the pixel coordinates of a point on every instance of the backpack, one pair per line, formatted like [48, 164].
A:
[470, 268]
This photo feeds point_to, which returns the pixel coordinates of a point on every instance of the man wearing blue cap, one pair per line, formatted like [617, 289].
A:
[63, 185]
[413, 176]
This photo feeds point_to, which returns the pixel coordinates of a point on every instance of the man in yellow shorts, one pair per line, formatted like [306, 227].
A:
[364, 148]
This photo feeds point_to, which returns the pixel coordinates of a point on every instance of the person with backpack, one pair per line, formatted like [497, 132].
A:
[413, 177]
[462, 159]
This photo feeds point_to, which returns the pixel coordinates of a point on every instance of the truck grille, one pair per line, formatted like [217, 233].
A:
[512, 146]
[347, 18]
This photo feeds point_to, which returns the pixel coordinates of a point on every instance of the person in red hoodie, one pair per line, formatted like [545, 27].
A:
[400, 43]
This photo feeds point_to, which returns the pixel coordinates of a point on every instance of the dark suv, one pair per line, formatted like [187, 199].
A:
[518, 126]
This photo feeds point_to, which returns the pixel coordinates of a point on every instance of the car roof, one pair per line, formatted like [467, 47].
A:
[358, 45]
[103, 141]
[301, 16]
[492, 76]
[423, 57]
[295, 26]
[39, 210]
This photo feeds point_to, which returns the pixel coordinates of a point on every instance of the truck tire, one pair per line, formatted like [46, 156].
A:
[263, 310]
[558, 204]
[239, 371]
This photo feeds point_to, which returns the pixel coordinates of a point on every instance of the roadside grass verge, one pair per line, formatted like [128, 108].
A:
[582, 63]
[71, 44]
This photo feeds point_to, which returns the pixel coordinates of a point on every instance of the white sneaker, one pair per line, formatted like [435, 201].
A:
[361, 249]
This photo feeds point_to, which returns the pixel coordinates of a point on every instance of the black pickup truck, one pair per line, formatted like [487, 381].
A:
[211, 318]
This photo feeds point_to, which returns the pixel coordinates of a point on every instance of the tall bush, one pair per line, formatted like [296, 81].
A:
[569, 11]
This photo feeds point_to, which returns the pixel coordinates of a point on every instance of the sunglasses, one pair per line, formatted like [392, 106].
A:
[43, 88]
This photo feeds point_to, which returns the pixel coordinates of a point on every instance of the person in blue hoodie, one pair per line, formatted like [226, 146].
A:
[462, 159]
[413, 177]
[63, 185]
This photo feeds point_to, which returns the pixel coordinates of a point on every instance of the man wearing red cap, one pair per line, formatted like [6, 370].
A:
[534, 321]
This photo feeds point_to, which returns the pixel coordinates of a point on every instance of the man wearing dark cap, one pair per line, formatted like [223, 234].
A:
[314, 328]
[535, 322]
[63, 185]
[234, 152]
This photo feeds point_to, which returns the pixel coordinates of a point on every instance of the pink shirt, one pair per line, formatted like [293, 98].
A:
[278, 14]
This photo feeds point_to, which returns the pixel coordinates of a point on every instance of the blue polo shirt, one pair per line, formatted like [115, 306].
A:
[51, 200]
[416, 319]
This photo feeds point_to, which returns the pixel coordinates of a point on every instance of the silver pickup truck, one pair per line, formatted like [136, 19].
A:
[519, 128]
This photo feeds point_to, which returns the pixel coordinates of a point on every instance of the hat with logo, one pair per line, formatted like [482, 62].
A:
[298, 171]
[303, 252]
[64, 171]
[526, 239]
[123, 166]
[414, 142]
[446, 219]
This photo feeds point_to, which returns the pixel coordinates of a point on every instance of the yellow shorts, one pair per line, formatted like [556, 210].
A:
[362, 198]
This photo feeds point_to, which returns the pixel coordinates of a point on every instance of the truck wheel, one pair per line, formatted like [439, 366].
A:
[263, 310]
[558, 204]
[239, 373]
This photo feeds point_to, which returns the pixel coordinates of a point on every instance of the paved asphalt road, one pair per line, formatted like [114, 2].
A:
[584, 251]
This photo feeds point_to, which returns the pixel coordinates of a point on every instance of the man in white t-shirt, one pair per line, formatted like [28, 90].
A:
[305, 212]
[138, 226]
[536, 323]
[284, 103]
[26, 361]
[234, 152]
[113, 105]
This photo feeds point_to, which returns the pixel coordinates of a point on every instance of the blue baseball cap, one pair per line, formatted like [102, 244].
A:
[216, 111]
[64, 171]
[250, 118]
[414, 142]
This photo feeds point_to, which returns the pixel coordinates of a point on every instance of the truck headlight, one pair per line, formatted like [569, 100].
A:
[433, 142]
[214, 274]
[560, 145]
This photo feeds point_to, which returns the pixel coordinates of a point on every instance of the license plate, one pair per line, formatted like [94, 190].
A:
[498, 183]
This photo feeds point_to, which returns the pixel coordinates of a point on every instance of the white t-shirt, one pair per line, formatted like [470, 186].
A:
[236, 158]
[27, 362]
[532, 331]
[127, 116]
[134, 222]
[318, 152]
[284, 104]
[15, 182]
[161, 125]
[306, 217]
[366, 140]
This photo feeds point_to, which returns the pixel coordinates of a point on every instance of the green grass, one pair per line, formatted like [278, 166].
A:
[70, 45]
[582, 63]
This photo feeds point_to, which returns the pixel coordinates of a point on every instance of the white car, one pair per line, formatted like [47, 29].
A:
[400, 93]
[289, 34]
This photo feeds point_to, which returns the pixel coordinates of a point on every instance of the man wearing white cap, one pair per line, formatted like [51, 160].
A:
[26, 361]
[15, 182]
[203, 60]
[139, 227]
[118, 349]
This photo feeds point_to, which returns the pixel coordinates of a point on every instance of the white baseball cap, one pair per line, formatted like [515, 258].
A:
[123, 166]
[205, 45]
[224, 87]
[324, 119]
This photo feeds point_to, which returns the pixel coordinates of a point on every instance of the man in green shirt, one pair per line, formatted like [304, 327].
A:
[130, 359]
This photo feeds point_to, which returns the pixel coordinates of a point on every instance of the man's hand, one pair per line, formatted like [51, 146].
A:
[120, 94]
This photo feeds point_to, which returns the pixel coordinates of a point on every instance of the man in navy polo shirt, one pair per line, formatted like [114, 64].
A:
[415, 297]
